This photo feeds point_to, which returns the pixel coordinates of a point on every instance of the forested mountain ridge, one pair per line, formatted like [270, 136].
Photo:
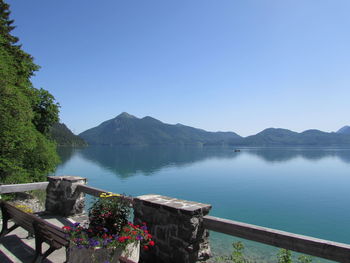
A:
[284, 137]
[126, 129]
[65, 137]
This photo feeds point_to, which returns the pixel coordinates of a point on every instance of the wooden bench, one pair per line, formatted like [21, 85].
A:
[43, 231]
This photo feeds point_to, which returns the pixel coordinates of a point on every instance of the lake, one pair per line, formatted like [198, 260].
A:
[300, 190]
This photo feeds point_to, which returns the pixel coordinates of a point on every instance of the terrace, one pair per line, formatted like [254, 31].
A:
[180, 228]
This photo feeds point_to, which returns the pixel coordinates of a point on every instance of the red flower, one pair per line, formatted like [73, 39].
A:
[67, 228]
[149, 236]
[145, 247]
[151, 243]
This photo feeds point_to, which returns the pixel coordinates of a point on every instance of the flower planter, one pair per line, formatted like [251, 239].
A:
[105, 238]
[101, 255]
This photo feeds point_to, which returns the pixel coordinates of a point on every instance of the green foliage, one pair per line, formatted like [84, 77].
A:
[237, 253]
[111, 212]
[26, 153]
[237, 256]
[304, 259]
[45, 110]
[284, 256]
[64, 137]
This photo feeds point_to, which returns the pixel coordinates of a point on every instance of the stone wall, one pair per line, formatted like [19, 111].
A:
[177, 228]
[62, 197]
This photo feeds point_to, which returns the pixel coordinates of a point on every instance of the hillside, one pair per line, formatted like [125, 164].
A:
[126, 129]
[344, 130]
[64, 136]
[283, 137]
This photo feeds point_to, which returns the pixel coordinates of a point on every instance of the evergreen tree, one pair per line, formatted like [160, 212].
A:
[26, 114]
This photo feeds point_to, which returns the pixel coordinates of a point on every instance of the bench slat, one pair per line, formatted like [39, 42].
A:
[47, 234]
[44, 231]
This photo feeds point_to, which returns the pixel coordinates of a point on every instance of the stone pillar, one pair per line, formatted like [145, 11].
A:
[62, 197]
[177, 229]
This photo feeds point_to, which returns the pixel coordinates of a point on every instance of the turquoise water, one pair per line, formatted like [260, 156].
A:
[305, 191]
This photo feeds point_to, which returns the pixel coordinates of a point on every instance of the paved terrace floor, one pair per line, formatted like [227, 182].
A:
[17, 247]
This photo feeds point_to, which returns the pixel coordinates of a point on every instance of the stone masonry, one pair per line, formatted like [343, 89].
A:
[62, 197]
[177, 229]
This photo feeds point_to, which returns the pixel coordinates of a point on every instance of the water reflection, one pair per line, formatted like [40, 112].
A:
[311, 154]
[126, 161]
[66, 153]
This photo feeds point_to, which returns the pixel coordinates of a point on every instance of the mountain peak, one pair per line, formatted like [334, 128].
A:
[126, 129]
[126, 115]
[344, 130]
[275, 130]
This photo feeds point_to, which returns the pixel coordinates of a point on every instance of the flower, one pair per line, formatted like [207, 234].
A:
[109, 226]
[109, 194]
[66, 228]
[25, 208]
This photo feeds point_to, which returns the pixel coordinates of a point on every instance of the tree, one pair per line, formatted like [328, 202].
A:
[26, 114]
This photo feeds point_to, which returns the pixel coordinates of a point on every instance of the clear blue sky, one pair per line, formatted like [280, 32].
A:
[229, 65]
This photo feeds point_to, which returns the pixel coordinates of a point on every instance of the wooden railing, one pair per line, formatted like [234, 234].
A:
[308, 245]
[96, 191]
[14, 188]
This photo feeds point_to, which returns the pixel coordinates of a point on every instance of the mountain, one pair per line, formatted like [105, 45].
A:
[126, 129]
[283, 137]
[64, 136]
[271, 137]
[344, 130]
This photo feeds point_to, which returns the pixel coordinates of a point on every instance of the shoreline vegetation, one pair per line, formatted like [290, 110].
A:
[27, 153]
[240, 253]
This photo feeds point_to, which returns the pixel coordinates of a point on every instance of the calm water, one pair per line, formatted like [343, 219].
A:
[304, 191]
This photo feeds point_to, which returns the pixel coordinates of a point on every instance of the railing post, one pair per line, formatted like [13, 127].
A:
[177, 229]
[62, 196]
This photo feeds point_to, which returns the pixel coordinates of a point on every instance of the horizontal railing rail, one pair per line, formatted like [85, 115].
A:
[15, 188]
[96, 191]
[308, 245]
[304, 244]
